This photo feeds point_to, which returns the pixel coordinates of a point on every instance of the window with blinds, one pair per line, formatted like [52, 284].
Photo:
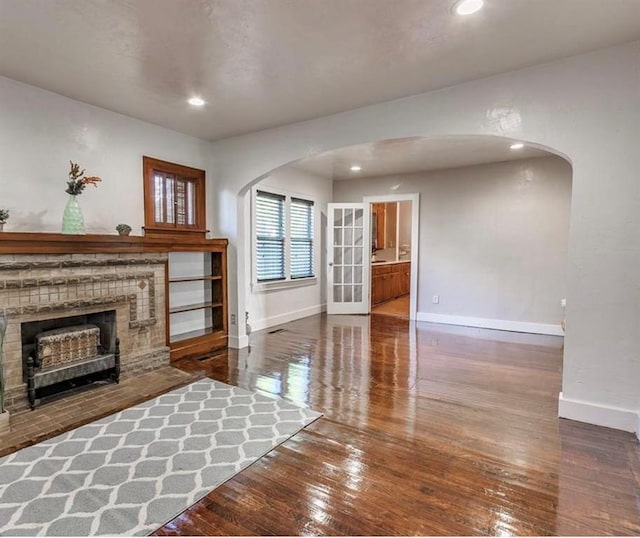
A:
[270, 236]
[301, 227]
[284, 230]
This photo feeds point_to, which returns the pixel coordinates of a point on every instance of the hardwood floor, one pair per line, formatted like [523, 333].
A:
[427, 430]
[396, 307]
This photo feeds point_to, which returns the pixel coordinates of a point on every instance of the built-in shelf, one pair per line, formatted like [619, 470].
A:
[203, 328]
[190, 307]
[192, 334]
[195, 279]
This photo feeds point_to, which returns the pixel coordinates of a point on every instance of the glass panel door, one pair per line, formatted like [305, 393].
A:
[349, 259]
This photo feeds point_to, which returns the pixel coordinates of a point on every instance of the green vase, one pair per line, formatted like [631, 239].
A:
[72, 219]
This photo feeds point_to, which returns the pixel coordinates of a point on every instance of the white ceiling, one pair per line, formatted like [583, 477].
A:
[262, 63]
[410, 155]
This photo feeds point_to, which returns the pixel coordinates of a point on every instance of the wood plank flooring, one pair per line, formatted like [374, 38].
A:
[396, 307]
[427, 430]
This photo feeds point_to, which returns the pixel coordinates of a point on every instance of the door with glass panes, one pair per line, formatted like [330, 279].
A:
[348, 257]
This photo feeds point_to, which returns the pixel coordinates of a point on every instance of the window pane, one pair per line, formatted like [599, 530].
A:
[348, 296]
[269, 215]
[169, 185]
[301, 229]
[348, 217]
[357, 236]
[348, 274]
[357, 275]
[357, 294]
[191, 203]
[337, 274]
[158, 196]
[180, 202]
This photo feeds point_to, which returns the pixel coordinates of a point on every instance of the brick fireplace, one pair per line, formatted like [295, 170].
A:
[38, 289]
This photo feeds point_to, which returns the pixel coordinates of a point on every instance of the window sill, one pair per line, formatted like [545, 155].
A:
[258, 287]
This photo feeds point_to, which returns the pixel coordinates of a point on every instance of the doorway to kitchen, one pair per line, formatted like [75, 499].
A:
[394, 254]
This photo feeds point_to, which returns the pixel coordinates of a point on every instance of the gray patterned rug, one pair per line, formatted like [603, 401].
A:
[131, 472]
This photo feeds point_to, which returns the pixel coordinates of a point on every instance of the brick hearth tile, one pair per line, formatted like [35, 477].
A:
[74, 410]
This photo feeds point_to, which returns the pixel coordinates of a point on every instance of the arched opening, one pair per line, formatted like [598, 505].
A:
[492, 225]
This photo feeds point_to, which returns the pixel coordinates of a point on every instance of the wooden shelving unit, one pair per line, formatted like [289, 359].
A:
[212, 284]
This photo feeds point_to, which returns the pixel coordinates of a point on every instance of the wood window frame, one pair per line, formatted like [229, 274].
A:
[151, 227]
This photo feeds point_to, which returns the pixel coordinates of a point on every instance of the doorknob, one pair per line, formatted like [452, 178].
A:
[330, 264]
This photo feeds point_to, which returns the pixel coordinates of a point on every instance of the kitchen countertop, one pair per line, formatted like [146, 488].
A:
[390, 263]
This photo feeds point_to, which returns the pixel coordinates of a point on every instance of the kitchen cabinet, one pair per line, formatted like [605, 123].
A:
[389, 281]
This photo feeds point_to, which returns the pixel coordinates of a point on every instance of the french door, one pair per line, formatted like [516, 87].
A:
[349, 258]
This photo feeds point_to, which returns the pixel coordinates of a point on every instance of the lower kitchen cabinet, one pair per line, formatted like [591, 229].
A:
[390, 281]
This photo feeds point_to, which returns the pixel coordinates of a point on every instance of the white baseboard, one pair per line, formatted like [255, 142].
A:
[486, 323]
[266, 323]
[598, 414]
[238, 342]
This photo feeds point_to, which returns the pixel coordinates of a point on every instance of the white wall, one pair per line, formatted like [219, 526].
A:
[40, 132]
[586, 108]
[272, 307]
[404, 226]
[493, 238]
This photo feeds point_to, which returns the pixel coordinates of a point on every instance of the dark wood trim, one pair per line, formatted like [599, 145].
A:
[199, 346]
[167, 326]
[149, 164]
[196, 278]
[57, 243]
[192, 307]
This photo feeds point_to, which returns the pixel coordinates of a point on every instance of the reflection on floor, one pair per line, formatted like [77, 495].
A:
[428, 430]
[397, 307]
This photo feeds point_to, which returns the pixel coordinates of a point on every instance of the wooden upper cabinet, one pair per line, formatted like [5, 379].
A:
[378, 225]
[174, 198]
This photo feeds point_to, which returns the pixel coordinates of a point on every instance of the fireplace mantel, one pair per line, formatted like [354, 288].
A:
[57, 243]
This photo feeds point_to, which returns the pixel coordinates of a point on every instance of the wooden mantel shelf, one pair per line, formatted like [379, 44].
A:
[56, 243]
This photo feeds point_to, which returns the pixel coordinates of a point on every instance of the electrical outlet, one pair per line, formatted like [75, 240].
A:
[435, 299]
[563, 303]
[233, 319]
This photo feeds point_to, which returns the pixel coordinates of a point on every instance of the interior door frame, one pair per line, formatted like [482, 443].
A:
[414, 198]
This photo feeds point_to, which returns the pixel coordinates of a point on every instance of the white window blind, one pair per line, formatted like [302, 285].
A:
[270, 236]
[301, 228]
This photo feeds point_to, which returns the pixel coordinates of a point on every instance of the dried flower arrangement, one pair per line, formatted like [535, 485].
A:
[78, 181]
[4, 215]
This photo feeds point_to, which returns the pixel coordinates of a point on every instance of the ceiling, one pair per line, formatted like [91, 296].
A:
[263, 63]
[410, 155]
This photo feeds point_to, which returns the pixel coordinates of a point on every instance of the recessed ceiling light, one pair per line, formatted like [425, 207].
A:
[467, 7]
[517, 145]
[356, 168]
[196, 101]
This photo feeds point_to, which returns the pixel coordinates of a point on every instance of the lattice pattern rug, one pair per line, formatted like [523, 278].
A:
[131, 472]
